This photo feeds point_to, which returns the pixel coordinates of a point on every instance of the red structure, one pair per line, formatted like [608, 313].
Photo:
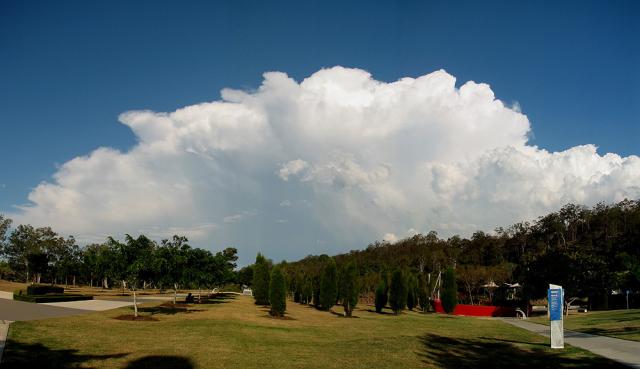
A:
[476, 310]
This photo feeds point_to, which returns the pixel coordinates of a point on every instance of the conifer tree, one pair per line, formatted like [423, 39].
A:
[382, 294]
[411, 292]
[449, 294]
[398, 291]
[328, 285]
[349, 288]
[423, 294]
[277, 292]
[261, 280]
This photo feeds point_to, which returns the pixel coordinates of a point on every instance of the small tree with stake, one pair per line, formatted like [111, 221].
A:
[277, 292]
[449, 294]
[398, 292]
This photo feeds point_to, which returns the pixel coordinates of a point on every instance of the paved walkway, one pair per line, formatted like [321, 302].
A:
[622, 351]
[91, 305]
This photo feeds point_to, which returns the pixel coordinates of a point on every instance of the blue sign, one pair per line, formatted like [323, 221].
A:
[555, 304]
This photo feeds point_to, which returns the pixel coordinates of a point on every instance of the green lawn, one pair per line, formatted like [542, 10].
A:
[234, 333]
[623, 324]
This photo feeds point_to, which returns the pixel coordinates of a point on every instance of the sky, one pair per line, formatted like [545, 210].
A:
[300, 128]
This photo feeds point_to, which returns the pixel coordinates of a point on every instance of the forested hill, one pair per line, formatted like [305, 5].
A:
[590, 251]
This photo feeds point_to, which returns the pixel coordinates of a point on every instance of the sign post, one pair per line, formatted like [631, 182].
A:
[555, 296]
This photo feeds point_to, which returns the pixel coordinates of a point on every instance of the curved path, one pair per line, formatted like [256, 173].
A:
[622, 351]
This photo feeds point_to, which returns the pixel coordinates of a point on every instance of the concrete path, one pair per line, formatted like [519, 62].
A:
[91, 305]
[20, 310]
[622, 351]
[6, 295]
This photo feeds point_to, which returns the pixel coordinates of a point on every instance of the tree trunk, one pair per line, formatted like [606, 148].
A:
[175, 292]
[199, 294]
[74, 281]
[135, 304]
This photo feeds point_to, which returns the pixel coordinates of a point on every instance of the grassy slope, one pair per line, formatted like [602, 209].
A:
[623, 324]
[234, 333]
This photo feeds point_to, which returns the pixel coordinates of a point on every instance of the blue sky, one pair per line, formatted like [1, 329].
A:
[68, 69]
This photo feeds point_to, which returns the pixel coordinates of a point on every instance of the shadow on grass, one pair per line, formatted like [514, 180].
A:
[619, 332]
[220, 298]
[161, 362]
[375, 312]
[462, 353]
[167, 309]
[27, 355]
[341, 315]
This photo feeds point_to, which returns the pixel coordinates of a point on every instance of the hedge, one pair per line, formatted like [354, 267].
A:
[39, 289]
[20, 296]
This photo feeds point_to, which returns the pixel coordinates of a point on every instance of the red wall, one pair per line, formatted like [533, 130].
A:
[476, 310]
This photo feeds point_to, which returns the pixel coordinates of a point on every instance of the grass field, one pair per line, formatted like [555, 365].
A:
[231, 332]
[623, 324]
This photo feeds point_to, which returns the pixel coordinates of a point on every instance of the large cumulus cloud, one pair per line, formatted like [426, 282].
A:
[353, 159]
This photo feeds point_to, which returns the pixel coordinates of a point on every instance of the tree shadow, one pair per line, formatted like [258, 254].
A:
[21, 355]
[341, 315]
[462, 353]
[618, 332]
[161, 362]
[167, 309]
[219, 298]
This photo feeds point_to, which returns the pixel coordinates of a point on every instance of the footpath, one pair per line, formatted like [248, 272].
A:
[622, 351]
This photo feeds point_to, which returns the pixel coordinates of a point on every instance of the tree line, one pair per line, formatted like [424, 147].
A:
[593, 252]
[40, 255]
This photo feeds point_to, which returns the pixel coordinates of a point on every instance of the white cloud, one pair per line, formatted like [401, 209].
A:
[369, 158]
[390, 237]
[292, 168]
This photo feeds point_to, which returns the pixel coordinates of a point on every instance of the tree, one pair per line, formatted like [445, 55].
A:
[277, 292]
[5, 224]
[398, 291]
[449, 294]
[381, 297]
[411, 292]
[171, 262]
[349, 292]
[423, 293]
[245, 276]
[328, 285]
[261, 280]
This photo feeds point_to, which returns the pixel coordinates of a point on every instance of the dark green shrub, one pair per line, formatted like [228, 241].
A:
[38, 289]
[328, 285]
[349, 288]
[277, 292]
[398, 291]
[261, 280]
[449, 294]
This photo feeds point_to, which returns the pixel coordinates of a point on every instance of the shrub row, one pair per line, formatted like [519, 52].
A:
[21, 296]
[38, 289]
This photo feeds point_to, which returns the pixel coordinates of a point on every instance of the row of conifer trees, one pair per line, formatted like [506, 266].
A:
[332, 286]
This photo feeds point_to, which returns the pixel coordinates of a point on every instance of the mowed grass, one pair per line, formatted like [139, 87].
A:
[232, 332]
[624, 324]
